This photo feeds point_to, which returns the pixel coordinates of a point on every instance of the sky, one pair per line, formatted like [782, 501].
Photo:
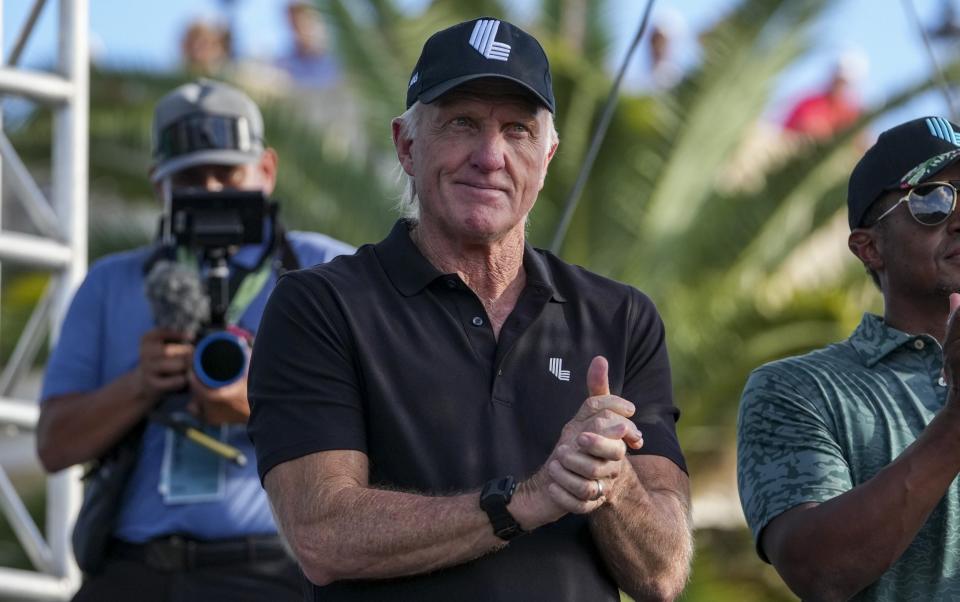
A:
[146, 34]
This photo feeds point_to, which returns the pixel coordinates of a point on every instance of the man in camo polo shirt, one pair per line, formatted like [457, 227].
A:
[848, 456]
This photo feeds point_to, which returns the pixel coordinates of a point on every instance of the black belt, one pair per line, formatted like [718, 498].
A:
[177, 553]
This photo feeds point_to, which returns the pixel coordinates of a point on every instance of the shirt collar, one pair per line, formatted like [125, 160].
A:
[874, 339]
[411, 272]
[405, 265]
[538, 272]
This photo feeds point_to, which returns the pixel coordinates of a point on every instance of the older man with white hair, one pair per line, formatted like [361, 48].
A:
[453, 413]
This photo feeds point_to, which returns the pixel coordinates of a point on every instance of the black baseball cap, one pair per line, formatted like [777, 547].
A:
[484, 47]
[902, 157]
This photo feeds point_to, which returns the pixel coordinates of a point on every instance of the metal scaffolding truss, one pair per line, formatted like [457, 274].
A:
[59, 246]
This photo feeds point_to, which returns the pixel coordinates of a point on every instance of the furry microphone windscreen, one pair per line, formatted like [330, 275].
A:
[177, 297]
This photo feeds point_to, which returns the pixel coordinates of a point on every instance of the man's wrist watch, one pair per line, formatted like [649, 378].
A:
[494, 497]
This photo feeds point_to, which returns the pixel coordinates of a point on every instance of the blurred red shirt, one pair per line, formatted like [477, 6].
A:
[822, 115]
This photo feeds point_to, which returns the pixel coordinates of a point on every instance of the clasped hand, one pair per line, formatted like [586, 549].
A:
[951, 343]
[588, 465]
[165, 367]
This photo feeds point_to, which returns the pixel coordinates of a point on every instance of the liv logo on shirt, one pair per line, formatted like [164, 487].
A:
[556, 369]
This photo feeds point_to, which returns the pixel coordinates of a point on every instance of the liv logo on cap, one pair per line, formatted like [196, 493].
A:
[483, 40]
[485, 47]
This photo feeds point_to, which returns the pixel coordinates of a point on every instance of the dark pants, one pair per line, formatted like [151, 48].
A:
[124, 579]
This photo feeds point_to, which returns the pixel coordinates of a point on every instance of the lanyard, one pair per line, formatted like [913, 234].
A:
[251, 284]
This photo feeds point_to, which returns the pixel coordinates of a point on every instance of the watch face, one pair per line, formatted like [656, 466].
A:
[497, 492]
[494, 498]
[504, 487]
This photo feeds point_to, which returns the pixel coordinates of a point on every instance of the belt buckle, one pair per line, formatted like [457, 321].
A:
[167, 555]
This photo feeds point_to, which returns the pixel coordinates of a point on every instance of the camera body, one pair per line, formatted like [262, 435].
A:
[213, 224]
[208, 221]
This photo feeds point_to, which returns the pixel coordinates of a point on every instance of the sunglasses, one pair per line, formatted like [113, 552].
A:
[201, 131]
[930, 203]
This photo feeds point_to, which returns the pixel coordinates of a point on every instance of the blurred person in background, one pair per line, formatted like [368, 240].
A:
[826, 112]
[205, 48]
[848, 455]
[309, 62]
[667, 32]
[453, 414]
[189, 526]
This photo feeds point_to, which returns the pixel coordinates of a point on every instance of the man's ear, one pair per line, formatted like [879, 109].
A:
[403, 145]
[546, 163]
[867, 245]
[268, 170]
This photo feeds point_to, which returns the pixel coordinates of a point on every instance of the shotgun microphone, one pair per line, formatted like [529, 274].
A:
[179, 303]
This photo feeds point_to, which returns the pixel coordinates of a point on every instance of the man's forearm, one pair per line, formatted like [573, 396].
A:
[379, 534]
[644, 537]
[830, 551]
[340, 528]
[79, 428]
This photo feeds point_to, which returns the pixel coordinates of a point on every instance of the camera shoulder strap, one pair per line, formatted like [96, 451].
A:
[246, 283]
[286, 258]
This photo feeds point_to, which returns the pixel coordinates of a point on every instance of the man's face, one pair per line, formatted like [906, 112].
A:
[479, 161]
[214, 178]
[920, 261]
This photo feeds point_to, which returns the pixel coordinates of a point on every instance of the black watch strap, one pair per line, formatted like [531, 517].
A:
[494, 497]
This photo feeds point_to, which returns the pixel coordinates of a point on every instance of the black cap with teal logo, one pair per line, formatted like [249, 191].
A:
[902, 157]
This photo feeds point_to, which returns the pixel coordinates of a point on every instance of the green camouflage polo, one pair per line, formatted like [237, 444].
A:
[814, 426]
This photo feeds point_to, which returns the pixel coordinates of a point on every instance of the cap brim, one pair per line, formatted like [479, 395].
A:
[431, 94]
[205, 157]
[929, 168]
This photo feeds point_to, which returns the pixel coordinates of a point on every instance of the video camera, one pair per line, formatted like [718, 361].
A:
[213, 224]
[217, 220]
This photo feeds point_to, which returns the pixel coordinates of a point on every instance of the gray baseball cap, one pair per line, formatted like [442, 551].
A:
[205, 123]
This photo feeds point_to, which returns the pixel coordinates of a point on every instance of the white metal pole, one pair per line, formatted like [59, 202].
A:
[25, 187]
[70, 201]
[16, 584]
[1, 166]
[35, 251]
[23, 525]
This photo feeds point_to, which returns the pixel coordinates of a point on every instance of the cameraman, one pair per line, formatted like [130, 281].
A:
[190, 525]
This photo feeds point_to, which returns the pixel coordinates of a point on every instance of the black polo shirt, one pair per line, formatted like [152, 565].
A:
[382, 353]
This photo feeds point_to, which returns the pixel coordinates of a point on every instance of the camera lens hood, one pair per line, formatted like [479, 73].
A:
[220, 358]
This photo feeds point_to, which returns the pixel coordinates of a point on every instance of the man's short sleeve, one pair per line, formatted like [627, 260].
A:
[787, 454]
[647, 383]
[303, 389]
[75, 364]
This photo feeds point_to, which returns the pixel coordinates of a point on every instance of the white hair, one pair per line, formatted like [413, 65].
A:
[410, 123]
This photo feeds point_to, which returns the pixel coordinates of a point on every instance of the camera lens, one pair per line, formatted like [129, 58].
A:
[220, 359]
